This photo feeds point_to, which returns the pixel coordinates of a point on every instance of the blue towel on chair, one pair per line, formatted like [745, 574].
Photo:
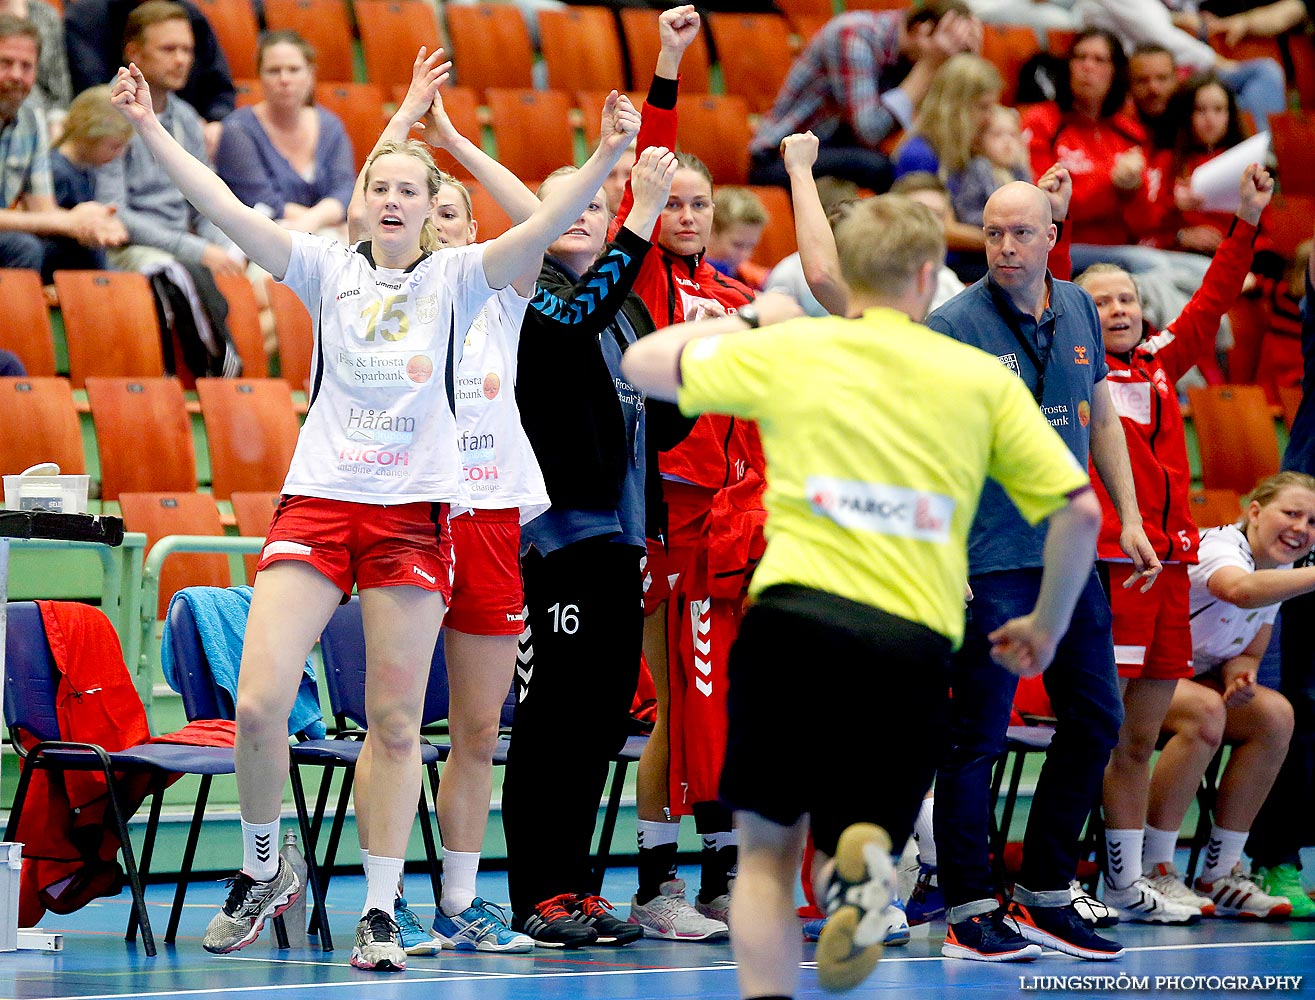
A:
[221, 620]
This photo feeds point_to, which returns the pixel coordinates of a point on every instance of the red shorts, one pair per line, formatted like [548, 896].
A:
[368, 545]
[687, 510]
[487, 595]
[1152, 631]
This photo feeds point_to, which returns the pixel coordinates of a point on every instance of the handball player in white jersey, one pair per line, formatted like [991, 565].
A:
[501, 488]
[366, 499]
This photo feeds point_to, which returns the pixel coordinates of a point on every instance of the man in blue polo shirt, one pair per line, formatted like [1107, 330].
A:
[1048, 333]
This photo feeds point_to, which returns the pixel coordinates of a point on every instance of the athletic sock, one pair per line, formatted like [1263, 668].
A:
[1123, 857]
[657, 856]
[459, 871]
[922, 834]
[1158, 847]
[720, 858]
[381, 875]
[1222, 852]
[260, 850]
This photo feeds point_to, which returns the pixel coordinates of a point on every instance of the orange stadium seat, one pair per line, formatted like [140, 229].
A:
[778, 240]
[392, 31]
[253, 512]
[1288, 221]
[325, 25]
[639, 26]
[361, 108]
[143, 435]
[490, 47]
[1008, 47]
[41, 425]
[248, 91]
[158, 515]
[251, 428]
[244, 323]
[1293, 136]
[803, 13]
[806, 27]
[716, 130]
[110, 324]
[1289, 397]
[26, 331]
[582, 49]
[1060, 40]
[532, 129]
[1211, 508]
[234, 23]
[295, 334]
[897, 5]
[755, 55]
[1235, 436]
[1301, 52]
[493, 221]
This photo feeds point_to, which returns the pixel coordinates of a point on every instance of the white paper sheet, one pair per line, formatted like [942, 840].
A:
[1218, 180]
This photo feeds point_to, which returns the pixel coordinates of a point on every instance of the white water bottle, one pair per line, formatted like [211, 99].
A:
[294, 917]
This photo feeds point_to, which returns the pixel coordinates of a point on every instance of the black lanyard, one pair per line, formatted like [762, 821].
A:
[1040, 362]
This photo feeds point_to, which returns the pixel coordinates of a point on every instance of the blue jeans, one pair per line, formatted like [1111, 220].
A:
[1084, 692]
[1260, 87]
[48, 254]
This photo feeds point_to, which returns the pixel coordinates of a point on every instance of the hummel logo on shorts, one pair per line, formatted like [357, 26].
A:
[419, 572]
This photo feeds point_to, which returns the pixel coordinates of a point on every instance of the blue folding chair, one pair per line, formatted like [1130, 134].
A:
[31, 686]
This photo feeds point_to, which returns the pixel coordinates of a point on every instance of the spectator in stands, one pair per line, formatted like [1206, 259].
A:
[1042, 15]
[53, 90]
[1087, 130]
[788, 275]
[853, 87]
[1267, 329]
[1152, 79]
[871, 593]
[34, 231]
[94, 135]
[999, 156]
[1258, 83]
[1206, 122]
[284, 156]
[1286, 822]
[940, 141]
[1048, 332]
[1152, 632]
[1244, 571]
[161, 224]
[738, 222]
[1239, 19]
[95, 36]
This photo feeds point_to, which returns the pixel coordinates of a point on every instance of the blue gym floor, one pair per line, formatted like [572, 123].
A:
[97, 964]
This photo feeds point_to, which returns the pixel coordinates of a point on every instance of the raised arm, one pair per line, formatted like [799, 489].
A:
[262, 240]
[812, 229]
[427, 74]
[516, 250]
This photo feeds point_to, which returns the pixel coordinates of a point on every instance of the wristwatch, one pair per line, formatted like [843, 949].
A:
[749, 313]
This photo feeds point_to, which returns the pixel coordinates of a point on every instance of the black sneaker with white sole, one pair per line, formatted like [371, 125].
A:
[551, 926]
[595, 912]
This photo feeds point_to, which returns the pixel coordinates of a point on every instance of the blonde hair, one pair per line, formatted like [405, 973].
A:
[737, 205]
[944, 118]
[884, 241]
[447, 180]
[434, 179]
[1268, 489]
[1096, 270]
[91, 117]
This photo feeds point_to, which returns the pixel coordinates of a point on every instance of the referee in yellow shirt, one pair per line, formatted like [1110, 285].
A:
[879, 434]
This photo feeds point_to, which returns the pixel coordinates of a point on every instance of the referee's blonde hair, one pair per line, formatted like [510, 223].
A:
[434, 179]
[884, 241]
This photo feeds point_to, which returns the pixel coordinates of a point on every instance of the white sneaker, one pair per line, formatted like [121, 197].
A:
[1235, 895]
[1093, 912]
[669, 915]
[1143, 903]
[718, 909]
[1169, 881]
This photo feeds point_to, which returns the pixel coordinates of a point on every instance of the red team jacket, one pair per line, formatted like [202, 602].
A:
[1142, 387]
[719, 449]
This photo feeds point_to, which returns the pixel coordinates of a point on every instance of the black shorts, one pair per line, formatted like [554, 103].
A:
[836, 709]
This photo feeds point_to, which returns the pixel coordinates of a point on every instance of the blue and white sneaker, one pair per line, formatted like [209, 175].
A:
[415, 939]
[482, 926]
[897, 926]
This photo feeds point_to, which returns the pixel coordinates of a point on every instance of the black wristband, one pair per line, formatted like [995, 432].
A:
[662, 92]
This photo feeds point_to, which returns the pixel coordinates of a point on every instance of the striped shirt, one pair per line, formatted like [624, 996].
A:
[24, 156]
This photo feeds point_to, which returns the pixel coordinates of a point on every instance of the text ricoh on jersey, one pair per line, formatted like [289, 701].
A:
[380, 427]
